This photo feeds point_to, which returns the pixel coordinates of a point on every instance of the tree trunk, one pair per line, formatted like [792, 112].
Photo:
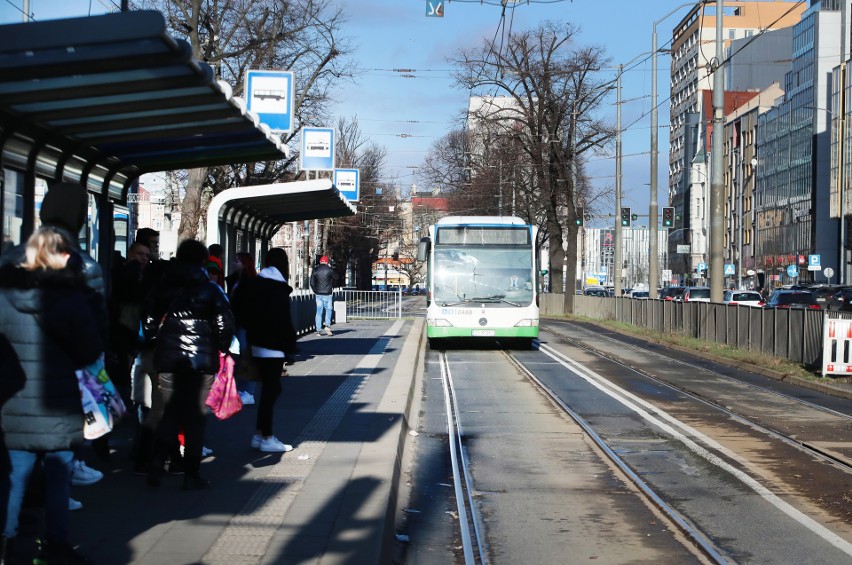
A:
[571, 262]
[191, 206]
[556, 254]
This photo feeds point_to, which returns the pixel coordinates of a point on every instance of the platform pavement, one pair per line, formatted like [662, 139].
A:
[331, 500]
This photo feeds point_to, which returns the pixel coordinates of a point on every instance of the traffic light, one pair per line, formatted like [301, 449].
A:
[625, 217]
[580, 216]
[668, 217]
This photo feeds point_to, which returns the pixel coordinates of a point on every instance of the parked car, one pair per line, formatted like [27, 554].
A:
[743, 298]
[824, 293]
[596, 291]
[696, 294]
[841, 301]
[639, 294]
[671, 292]
[800, 299]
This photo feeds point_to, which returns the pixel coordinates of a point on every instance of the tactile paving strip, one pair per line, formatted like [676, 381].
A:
[247, 535]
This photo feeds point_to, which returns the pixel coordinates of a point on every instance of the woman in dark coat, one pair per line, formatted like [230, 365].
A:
[262, 305]
[189, 319]
[53, 331]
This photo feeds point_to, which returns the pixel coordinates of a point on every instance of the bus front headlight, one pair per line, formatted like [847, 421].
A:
[528, 323]
[440, 323]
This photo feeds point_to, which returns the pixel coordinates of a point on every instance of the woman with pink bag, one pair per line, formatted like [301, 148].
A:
[189, 320]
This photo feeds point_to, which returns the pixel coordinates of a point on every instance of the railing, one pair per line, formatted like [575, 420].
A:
[371, 304]
[787, 333]
[362, 304]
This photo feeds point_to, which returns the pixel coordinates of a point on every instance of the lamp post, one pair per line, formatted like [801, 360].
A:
[717, 168]
[653, 261]
[617, 260]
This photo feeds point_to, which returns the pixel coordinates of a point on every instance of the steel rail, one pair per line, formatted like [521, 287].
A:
[803, 446]
[693, 534]
[459, 462]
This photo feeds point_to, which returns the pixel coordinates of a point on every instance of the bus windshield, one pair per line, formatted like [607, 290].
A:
[485, 274]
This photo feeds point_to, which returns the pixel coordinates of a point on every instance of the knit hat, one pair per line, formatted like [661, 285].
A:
[213, 264]
[324, 259]
[65, 206]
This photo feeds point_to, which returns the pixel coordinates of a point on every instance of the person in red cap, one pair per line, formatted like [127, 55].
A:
[323, 280]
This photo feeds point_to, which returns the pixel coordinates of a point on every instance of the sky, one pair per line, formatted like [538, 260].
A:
[407, 114]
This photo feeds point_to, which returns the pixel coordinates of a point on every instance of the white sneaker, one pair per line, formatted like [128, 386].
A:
[328, 330]
[74, 504]
[246, 398]
[82, 474]
[255, 441]
[272, 444]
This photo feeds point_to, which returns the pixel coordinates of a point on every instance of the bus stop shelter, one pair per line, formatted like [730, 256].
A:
[101, 100]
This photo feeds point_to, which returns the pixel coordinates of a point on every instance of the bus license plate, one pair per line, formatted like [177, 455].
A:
[482, 333]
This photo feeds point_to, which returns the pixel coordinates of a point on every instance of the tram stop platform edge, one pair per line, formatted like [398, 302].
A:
[345, 408]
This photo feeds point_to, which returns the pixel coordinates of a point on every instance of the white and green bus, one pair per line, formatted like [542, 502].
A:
[481, 279]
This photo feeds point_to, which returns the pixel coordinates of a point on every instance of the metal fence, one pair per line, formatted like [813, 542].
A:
[371, 304]
[363, 304]
[788, 333]
[303, 309]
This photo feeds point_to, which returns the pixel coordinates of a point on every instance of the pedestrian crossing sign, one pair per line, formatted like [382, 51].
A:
[729, 269]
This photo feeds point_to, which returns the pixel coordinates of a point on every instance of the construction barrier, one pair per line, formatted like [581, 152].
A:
[837, 335]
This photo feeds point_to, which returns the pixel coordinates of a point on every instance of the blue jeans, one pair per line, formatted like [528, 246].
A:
[323, 302]
[57, 486]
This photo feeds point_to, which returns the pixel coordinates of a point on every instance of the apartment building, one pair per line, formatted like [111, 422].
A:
[792, 194]
[755, 66]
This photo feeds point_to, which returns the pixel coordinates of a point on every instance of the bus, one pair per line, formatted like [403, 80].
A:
[481, 279]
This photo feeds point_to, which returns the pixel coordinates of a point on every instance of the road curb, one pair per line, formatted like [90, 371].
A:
[398, 399]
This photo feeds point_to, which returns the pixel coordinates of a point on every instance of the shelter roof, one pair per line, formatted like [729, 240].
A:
[101, 100]
[265, 208]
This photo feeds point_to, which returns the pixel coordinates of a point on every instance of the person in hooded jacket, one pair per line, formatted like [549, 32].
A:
[64, 208]
[262, 306]
[189, 320]
[53, 330]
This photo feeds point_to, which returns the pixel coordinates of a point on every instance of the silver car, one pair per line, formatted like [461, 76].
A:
[696, 294]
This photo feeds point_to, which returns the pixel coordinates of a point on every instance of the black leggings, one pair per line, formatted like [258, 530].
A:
[270, 378]
[183, 397]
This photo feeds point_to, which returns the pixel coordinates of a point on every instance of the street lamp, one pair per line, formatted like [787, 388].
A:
[653, 262]
[618, 243]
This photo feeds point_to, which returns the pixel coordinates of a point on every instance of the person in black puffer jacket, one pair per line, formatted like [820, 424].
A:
[52, 330]
[262, 306]
[189, 320]
[323, 280]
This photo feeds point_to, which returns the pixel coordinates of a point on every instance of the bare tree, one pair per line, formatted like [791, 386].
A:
[234, 36]
[355, 241]
[547, 91]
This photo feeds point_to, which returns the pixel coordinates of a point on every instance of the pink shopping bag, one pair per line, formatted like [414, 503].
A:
[224, 399]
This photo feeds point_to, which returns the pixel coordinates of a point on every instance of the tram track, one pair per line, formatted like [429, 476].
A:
[660, 452]
[694, 535]
[805, 446]
[470, 521]
[472, 536]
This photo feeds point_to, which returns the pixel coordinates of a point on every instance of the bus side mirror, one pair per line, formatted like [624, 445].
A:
[423, 248]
